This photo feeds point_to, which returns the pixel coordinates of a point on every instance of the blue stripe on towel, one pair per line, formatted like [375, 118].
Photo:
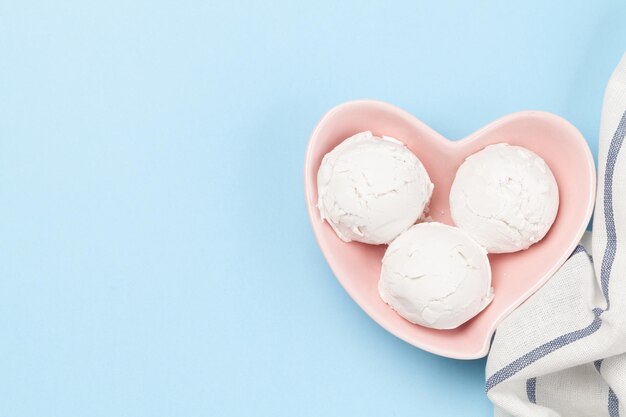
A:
[611, 235]
[605, 273]
[531, 390]
[613, 402]
[541, 351]
[598, 364]
[578, 249]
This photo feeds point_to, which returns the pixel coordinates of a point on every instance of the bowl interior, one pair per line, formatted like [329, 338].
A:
[515, 276]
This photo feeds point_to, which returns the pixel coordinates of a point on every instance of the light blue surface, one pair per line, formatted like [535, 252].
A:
[156, 257]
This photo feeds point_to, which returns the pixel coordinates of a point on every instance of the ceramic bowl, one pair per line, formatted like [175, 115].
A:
[515, 276]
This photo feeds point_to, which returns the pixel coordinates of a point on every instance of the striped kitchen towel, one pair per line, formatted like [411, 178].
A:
[563, 352]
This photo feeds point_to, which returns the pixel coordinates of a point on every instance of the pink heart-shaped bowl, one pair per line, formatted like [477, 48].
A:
[515, 276]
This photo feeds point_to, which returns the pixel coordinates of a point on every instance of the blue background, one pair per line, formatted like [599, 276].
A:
[155, 254]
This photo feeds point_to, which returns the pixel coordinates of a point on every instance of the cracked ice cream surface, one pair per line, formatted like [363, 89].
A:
[436, 276]
[371, 189]
[505, 197]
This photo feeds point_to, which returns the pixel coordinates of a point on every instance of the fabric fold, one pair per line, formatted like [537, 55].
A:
[563, 352]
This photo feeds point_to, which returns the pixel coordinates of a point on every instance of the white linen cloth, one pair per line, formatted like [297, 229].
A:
[563, 352]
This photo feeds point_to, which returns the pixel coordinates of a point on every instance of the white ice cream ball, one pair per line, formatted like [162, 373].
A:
[371, 189]
[505, 197]
[435, 275]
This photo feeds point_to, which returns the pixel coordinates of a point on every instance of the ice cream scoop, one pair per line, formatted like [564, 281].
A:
[435, 275]
[505, 197]
[370, 189]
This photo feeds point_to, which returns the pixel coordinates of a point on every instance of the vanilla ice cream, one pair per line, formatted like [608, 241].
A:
[505, 197]
[371, 189]
[436, 276]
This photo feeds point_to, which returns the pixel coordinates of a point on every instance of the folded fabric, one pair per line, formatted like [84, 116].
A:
[563, 352]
